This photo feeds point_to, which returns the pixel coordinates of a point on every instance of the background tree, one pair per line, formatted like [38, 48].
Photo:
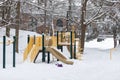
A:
[17, 25]
[91, 17]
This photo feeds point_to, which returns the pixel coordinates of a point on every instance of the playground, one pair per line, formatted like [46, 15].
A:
[59, 39]
[51, 45]
[95, 63]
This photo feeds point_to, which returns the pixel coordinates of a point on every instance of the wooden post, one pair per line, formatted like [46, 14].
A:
[111, 50]
[78, 54]
[110, 54]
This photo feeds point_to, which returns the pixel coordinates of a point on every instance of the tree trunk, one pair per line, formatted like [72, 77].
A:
[45, 13]
[17, 26]
[83, 25]
[114, 38]
[83, 37]
[8, 19]
[3, 15]
[119, 42]
[6, 11]
[69, 17]
[8, 31]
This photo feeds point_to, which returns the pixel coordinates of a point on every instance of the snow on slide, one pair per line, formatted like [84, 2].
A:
[34, 52]
[55, 52]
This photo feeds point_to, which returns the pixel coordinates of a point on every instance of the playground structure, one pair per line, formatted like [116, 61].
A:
[51, 44]
[69, 40]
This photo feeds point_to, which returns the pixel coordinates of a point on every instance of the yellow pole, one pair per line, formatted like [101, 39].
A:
[111, 53]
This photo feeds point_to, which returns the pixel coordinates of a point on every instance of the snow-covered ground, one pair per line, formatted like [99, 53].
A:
[95, 63]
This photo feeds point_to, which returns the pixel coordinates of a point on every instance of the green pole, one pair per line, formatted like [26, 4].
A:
[48, 61]
[28, 39]
[34, 39]
[43, 49]
[14, 56]
[71, 45]
[61, 36]
[4, 51]
[61, 41]
[75, 50]
[75, 47]
[57, 39]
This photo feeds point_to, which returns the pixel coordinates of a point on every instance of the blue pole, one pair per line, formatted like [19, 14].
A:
[4, 51]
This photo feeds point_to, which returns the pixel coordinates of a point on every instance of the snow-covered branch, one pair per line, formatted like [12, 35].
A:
[91, 19]
[97, 17]
[6, 25]
[33, 4]
[1, 3]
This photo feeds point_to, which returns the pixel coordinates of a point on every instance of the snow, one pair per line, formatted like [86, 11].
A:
[106, 44]
[95, 63]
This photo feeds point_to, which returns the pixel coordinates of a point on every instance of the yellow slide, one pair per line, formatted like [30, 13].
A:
[55, 52]
[36, 48]
[32, 48]
[34, 52]
[28, 48]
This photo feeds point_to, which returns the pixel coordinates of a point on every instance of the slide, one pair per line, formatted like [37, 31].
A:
[33, 48]
[34, 52]
[28, 48]
[58, 54]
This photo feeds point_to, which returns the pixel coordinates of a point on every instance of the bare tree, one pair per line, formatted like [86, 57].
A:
[17, 26]
[6, 16]
[83, 25]
[45, 12]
